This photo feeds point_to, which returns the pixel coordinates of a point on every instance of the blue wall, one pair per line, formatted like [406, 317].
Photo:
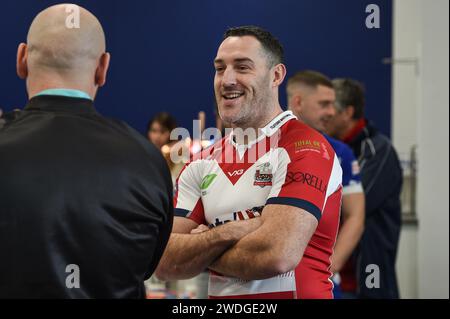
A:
[162, 51]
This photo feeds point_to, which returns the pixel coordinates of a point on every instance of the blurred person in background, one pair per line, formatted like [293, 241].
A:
[159, 129]
[311, 97]
[382, 179]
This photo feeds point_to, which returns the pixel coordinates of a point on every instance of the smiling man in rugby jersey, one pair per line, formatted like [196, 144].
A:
[270, 191]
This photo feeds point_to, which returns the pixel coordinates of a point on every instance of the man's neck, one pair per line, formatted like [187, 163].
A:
[352, 129]
[244, 135]
[343, 133]
[299, 118]
[35, 87]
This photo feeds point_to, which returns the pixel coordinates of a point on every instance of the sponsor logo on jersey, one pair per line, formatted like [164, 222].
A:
[238, 172]
[277, 123]
[207, 180]
[263, 175]
[307, 145]
[306, 178]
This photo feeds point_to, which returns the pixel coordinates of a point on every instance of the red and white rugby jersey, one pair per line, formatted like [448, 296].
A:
[290, 164]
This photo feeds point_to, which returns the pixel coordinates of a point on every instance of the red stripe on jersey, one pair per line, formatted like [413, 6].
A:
[175, 197]
[198, 213]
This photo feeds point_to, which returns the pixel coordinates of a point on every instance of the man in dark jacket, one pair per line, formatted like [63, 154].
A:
[85, 202]
[382, 178]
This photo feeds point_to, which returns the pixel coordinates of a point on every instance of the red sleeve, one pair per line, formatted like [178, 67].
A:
[307, 174]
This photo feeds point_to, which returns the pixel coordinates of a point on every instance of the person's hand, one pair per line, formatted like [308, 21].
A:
[200, 229]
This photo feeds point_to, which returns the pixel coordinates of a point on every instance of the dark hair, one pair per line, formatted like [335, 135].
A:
[166, 120]
[350, 93]
[270, 44]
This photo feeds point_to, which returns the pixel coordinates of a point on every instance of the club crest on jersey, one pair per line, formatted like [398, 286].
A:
[263, 175]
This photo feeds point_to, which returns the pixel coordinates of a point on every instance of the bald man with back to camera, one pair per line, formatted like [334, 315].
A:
[86, 202]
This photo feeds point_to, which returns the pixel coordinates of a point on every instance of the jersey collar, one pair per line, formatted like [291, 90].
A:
[277, 122]
[267, 131]
[65, 92]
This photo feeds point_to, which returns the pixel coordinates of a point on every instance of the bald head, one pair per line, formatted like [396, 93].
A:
[54, 42]
[65, 48]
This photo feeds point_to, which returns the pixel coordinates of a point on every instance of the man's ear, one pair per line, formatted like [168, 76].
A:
[279, 74]
[296, 101]
[102, 69]
[21, 62]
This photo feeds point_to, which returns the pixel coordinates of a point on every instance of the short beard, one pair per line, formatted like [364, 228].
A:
[259, 108]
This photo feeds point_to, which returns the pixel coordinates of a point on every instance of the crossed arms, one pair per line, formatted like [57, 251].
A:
[273, 244]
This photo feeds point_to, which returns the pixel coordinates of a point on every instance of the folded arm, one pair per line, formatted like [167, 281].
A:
[276, 247]
[187, 254]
